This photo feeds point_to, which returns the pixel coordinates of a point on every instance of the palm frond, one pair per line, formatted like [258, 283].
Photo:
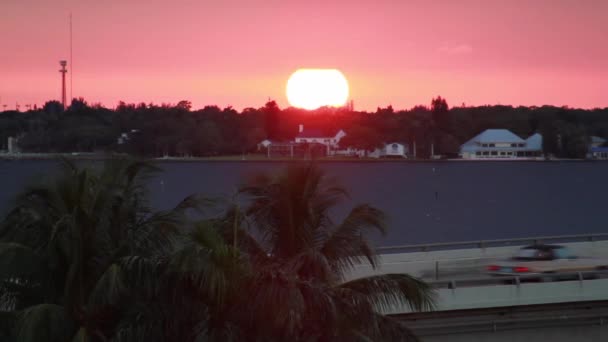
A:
[313, 265]
[387, 291]
[24, 276]
[80, 336]
[291, 210]
[208, 262]
[233, 228]
[7, 324]
[346, 246]
[143, 275]
[109, 289]
[44, 322]
[276, 303]
[19, 261]
[162, 318]
[30, 220]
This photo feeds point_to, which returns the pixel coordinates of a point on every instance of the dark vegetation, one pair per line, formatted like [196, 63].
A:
[83, 258]
[178, 130]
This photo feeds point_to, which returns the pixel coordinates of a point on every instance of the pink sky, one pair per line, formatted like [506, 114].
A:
[240, 53]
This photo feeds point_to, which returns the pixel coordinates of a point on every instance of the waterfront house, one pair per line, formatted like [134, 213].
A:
[534, 144]
[282, 149]
[596, 141]
[349, 152]
[263, 145]
[390, 150]
[395, 149]
[598, 153]
[597, 148]
[313, 136]
[307, 142]
[502, 144]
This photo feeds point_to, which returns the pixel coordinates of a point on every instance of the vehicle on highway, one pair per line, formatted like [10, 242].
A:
[544, 259]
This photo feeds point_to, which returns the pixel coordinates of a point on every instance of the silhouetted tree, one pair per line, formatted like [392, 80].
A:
[184, 105]
[440, 110]
[301, 257]
[388, 110]
[362, 137]
[550, 139]
[271, 119]
[78, 104]
[448, 145]
[80, 257]
[177, 129]
[574, 141]
[52, 107]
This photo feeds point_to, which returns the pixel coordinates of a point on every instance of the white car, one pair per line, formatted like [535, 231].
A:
[547, 259]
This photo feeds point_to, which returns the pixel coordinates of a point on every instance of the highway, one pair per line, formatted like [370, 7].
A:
[468, 259]
[457, 272]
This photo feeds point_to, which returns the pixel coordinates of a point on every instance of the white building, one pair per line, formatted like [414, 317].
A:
[502, 144]
[596, 141]
[349, 152]
[391, 150]
[306, 142]
[313, 136]
[598, 153]
[597, 149]
[264, 144]
[395, 150]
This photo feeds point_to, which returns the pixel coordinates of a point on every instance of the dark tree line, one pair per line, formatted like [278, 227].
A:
[156, 130]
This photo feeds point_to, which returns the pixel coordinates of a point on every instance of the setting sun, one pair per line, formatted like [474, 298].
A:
[314, 88]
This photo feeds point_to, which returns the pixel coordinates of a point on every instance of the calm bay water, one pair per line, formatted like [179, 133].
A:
[426, 201]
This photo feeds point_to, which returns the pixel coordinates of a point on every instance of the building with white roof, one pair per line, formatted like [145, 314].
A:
[596, 141]
[307, 141]
[598, 153]
[395, 149]
[314, 136]
[596, 149]
[502, 144]
[390, 150]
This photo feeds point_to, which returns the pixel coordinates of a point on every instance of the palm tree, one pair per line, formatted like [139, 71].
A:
[189, 294]
[85, 259]
[299, 257]
[71, 252]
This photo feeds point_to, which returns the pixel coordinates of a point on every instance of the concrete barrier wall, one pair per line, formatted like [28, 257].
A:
[550, 334]
[460, 263]
[511, 295]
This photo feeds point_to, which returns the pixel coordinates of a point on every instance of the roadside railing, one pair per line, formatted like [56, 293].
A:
[517, 280]
[492, 243]
[569, 314]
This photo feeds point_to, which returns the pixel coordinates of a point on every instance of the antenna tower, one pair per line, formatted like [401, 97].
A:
[63, 71]
[71, 59]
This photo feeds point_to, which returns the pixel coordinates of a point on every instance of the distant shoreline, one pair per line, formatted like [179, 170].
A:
[258, 158]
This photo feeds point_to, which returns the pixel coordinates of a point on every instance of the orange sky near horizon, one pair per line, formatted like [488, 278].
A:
[240, 53]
